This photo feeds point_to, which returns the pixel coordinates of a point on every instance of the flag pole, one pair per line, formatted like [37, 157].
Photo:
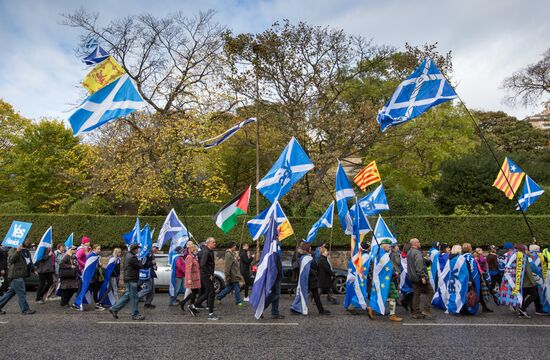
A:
[242, 232]
[330, 242]
[482, 136]
[255, 49]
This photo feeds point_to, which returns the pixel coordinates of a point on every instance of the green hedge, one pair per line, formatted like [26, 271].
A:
[479, 230]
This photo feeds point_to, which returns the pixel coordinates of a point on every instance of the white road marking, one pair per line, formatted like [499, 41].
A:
[480, 325]
[193, 323]
[4, 322]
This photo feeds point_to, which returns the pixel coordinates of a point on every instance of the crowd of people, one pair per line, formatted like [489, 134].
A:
[458, 280]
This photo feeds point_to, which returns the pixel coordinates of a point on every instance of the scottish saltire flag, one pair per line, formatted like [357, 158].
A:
[457, 285]
[475, 277]
[356, 289]
[381, 278]
[424, 88]
[180, 239]
[118, 99]
[106, 294]
[441, 270]
[146, 242]
[325, 221]
[344, 191]
[382, 232]
[260, 224]
[300, 300]
[134, 236]
[172, 289]
[217, 140]
[44, 246]
[91, 43]
[266, 273]
[85, 295]
[69, 242]
[96, 56]
[172, 225]
[405, 285]
[375, 202]
[292, 164]
[531, 192]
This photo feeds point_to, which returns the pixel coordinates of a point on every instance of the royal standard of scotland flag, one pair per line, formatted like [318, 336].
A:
[292, 164]
[260, 224]
[344, 191]
[44, 245]
[531, 192]
[119, 98]
[267, 269]
[381, 278]
[324, 221]
[424, 88]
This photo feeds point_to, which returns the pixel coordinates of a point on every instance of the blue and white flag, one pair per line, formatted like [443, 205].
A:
[531, 192]
[118, 99]
[146, 242]
[440, 271]
[172, 289]
[172, 225]
[85, 295]
[260, 224]
[44, 246]
[217, 140]
[266, 274]
[134, 236]
[180, 239]
[356, 289]
[381, 279]
[292, 164]
[16, 234]
[405, 284]
[300, 300]
[69, 242]
[106, 293]
[475, 277]
[373, 203]
[457, 285]
[344, 191]
[325, 221]
[97, 55]
[424, 88]
[382, 232]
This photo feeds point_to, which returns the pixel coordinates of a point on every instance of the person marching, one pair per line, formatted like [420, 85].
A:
[418, 274]
[232, 275]
[68, 276]
[246, 260]
[326, 276]
[192, 279]
[207, 265]
[19, 268]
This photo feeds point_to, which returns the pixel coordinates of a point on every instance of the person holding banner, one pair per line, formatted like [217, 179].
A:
[19, 268]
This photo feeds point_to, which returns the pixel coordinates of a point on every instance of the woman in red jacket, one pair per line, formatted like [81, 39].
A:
[192, 278]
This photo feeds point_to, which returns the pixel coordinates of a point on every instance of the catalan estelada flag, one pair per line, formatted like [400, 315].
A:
[509, 178]
[367, 176]
[102, 75]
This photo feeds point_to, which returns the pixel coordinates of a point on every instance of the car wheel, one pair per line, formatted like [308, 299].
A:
[218, 284]
[340, 285]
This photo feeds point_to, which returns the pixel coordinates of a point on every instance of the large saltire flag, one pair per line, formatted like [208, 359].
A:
[266, 273]
[44, 245]
[531, 192]
[102, 75]
[226, 218]
[106, 294]
[171, 226]
[259, 225]
[118, 99]
[134, 236]
[375, 202]
[368, 176]
[180, 239]
[300, 300]
[382, 232]
[292, 164]
[509, 178]
[381, 278]
[69, 242]
[172, 288]
[85, 295]
[344, 191]
[424, 88]
[440, 269]
[97, 55]
[325, 221]
[457, 285]
[361, 226]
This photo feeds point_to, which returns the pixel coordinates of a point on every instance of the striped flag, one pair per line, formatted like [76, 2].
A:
[509, 178]
[367, 176]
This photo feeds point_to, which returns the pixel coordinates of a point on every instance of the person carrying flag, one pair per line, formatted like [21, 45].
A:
[19, 268]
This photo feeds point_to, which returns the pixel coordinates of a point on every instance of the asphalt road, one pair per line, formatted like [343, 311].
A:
[53, 333]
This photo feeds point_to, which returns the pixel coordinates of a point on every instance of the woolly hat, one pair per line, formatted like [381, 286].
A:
[85, 240]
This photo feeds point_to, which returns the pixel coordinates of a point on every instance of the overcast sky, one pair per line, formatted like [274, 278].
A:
[40, 75]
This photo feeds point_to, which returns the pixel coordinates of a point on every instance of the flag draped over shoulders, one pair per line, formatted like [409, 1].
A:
[475, 278]
[512, 279]
[300, 301]
[106, 291]
[85, 296]
[442, 269]
[457, 285]
[382, 273]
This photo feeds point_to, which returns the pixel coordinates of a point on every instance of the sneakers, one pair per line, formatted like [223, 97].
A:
[277, 317]
[28, 312]
[247, 299]
[40, 301]
[192, 310]
[427, 315]
[370, 313]
[74, 307]
[325, 312]
[99, 307]
[241, 304]
[138, 317]
[542, 313]
[419, 316]
[114, 313]
[218, 302]
[213, 317]
[149, 306]
[395, 318]
[54, 298]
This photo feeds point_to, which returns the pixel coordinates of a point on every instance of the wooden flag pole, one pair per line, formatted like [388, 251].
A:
[242, 232]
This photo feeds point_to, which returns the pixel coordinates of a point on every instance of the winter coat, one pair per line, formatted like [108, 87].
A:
[245, 262]
[19, 263]
[232, 272]
[46, 265]
[132, 265]
[416, 267]
[4, 259]
[192, 272]
[81, 257]
[180, 267]
[313, 280]
[206, 261]
[326, 275]
[67, 263]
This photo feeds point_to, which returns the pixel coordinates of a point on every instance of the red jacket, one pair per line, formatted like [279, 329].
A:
[180, 267]
[192, 272]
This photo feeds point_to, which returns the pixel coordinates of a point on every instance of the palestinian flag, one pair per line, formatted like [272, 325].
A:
[226, 218]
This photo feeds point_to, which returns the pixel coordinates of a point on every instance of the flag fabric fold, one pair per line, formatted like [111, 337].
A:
[299, 304]
[260, 224]
[290, 167]
[325, 221]
[424, 88]
[457, 285]
[531, 192]
[106, 294]
[171, 226]
[226, 218]
[219, 139]
[96, 56]
[374, 203]
[440, 271]
[85, 295]
[344, 191]
[44, 245]
[381, 278]
[509, 178]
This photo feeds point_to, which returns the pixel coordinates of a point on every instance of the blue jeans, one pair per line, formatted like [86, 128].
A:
[131, 295]
[147, 291]
[178, 282]
[273, 298]
[17, 286]
[234, 286]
